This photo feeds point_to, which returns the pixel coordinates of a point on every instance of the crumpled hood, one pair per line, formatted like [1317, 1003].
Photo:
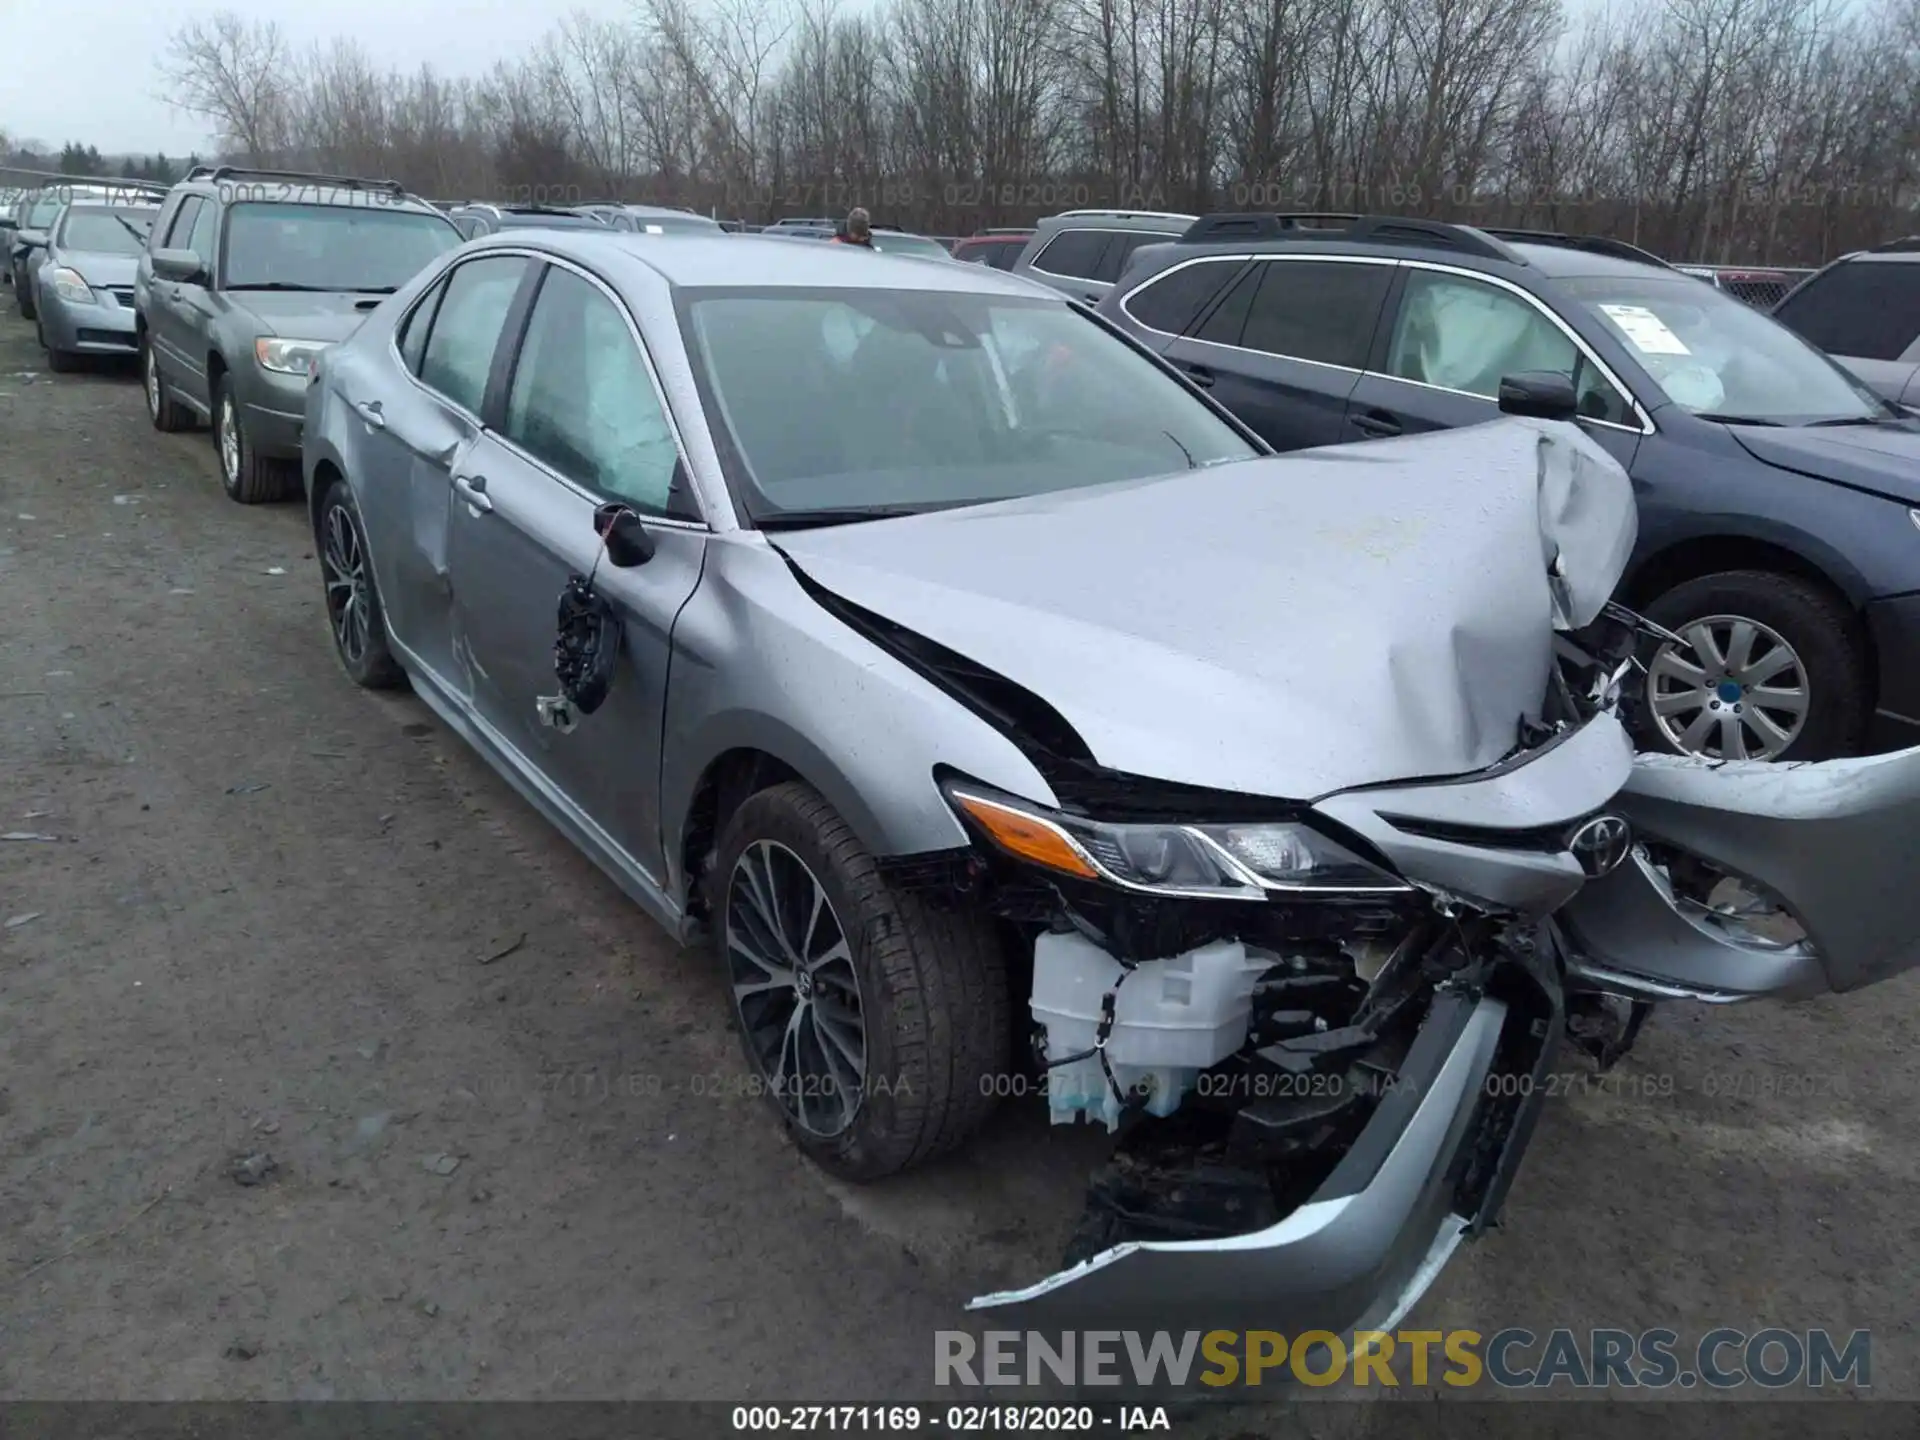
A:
[299, 315]
[1882, 458]
[1287, 626]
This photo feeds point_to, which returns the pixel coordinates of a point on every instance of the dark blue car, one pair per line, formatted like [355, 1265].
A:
[1779, 496]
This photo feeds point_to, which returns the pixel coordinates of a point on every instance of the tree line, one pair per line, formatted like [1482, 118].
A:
[1721, 131]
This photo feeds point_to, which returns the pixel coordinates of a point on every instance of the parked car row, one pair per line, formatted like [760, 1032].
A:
[944, 651]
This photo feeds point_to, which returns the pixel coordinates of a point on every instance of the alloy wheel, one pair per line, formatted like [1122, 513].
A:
[1735, 691]
[153, 384]
[346, 571]
[795, 988]
[229, 441]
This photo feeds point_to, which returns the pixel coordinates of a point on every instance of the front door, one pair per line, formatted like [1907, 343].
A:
[1450, 341]
[581, 422]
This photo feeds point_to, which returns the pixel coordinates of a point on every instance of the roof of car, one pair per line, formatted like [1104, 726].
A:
[1559, 262]
[753, 260]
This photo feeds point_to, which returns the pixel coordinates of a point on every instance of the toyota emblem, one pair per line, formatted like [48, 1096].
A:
[1601, 844]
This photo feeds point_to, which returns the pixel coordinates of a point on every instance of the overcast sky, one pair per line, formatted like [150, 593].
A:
[88, 73]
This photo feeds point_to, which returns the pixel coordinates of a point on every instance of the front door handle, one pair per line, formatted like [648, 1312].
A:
[175, 293]
[1201, 376]
[1377, 423]
[371, 413]
[473, 490]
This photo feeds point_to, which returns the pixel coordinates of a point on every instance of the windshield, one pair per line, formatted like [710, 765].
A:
[919, 245]
[1720, 358]
[106, 231]
[330, 247]
[881, 400]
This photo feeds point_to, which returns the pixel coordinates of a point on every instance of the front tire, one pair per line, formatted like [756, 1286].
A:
[61, 362]
[354, 615]
[247, 476]
[1773, 670]
[167, 414]
[875, 1023]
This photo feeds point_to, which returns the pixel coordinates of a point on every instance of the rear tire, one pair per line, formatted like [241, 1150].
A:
[167, 414]
[1828, 667]
[246, 476]
[352, 599]
[930, 988]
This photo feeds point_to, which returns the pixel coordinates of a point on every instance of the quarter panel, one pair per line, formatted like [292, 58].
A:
[758, 664]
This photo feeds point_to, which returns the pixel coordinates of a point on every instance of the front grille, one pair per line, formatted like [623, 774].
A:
[122, 294]
[1543, 839]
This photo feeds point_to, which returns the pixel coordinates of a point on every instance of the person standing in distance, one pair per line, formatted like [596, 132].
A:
[858, 229]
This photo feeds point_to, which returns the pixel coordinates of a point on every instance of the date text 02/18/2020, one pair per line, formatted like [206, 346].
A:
[950, 1419]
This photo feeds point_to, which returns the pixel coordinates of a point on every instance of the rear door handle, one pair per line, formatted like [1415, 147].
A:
[1376, 422]
[473, 490]
[370, 412]
[1201, 376]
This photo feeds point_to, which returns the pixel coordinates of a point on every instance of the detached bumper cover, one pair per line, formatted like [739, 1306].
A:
[1355, 1256]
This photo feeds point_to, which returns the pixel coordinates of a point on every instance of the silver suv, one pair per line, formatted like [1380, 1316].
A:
[1081, 253]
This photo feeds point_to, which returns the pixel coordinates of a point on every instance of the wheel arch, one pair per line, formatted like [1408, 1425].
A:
[1699, 555]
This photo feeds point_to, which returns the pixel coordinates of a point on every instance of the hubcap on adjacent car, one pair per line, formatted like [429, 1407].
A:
[346, 585]
[795, 988]
[1735, 691]
[229, 440]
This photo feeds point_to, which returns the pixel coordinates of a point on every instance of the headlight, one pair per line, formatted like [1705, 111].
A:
[71, 285]
[1214, 862]
[289, 357]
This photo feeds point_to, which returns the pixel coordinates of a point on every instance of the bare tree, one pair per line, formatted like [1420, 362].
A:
[236, 74]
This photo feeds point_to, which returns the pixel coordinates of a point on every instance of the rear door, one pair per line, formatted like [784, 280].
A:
[418, 434]
[1449, 339]
[581, 421]
[1283, 349]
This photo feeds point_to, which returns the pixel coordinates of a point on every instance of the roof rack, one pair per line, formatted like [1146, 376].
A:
[1002, 230]
[1592, 244]
[219, 173]
[1340, 225]
[1905, 244]
[1125, 214]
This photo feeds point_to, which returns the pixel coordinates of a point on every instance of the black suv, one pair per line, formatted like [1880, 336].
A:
[1779, 497]
[248, 276]
[1864, 310]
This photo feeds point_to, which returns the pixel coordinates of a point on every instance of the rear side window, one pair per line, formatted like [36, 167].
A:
[466, 330]
[1172, 303]
[1003, 253]
[1114, 259]
[1314, 310]
[1865, 308]
[1073, 253]
[1229, 317]
[414, 329]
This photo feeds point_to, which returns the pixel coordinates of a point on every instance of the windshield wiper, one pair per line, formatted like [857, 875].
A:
[1736, 419]
[848, 515]
[287, 285]
[1855, 420]
[134, 230]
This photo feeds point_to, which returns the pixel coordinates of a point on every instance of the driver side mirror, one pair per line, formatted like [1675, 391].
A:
[627, 541]
[1539, 394]
[181, 266]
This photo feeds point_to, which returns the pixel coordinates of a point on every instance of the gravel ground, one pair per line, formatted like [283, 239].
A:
[268, 928]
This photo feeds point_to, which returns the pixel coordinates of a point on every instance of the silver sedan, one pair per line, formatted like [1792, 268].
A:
[945, 657]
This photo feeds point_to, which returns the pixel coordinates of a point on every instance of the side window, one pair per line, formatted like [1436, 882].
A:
[1317, 310]
[413, 331]
[466, 328]
[1114, 258]
[200, 240]
[583, 401]
[182, 227]
[157, 237]
[1073, 253]
[1171, 303]
[1465, 335]
[1229, 318]
[1869, 309]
